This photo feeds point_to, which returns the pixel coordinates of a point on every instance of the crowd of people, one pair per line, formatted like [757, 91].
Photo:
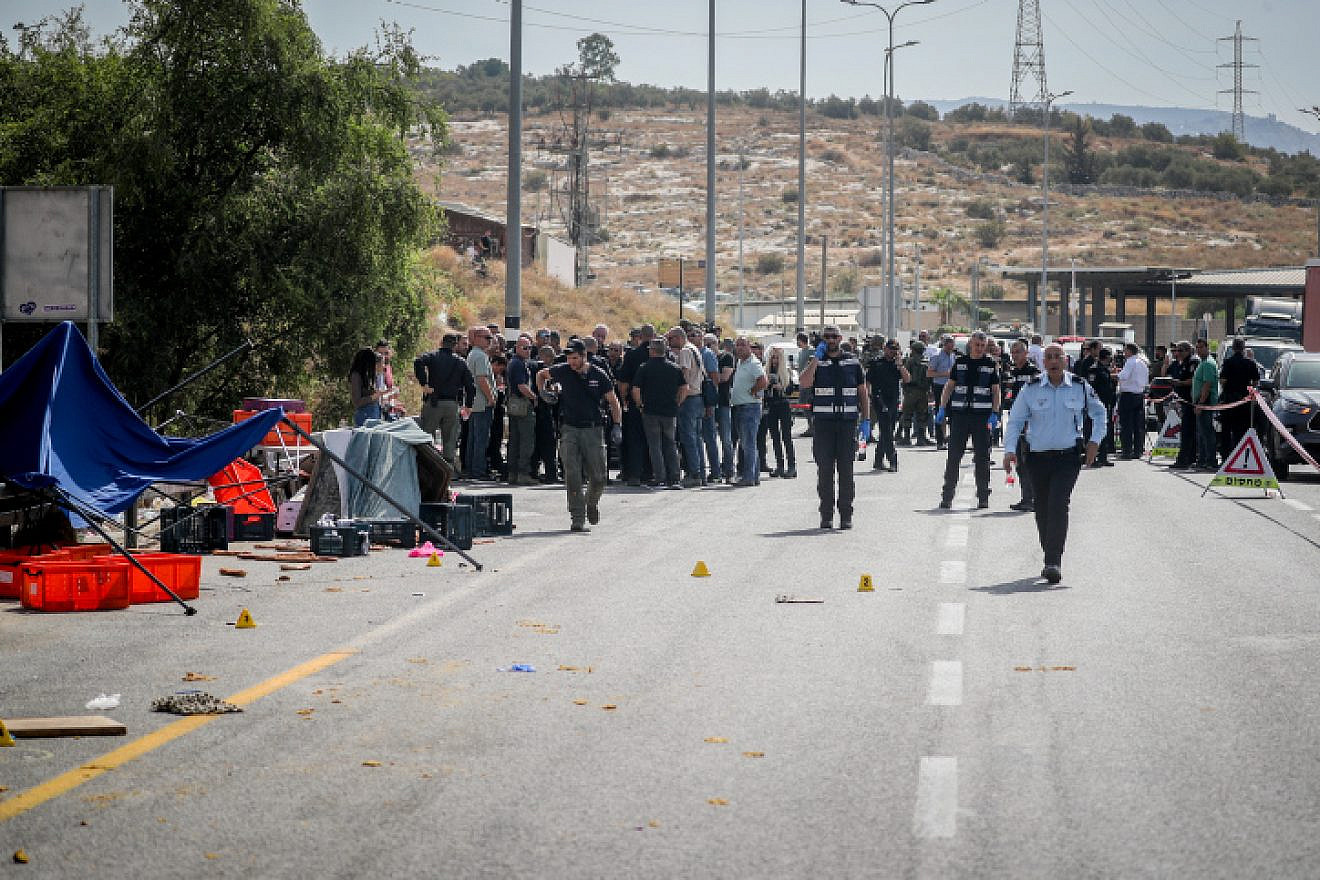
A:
[689, 408]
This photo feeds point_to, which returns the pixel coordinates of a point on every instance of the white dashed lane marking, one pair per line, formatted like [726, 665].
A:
[945, 683]
[936, 812]
[1298, 505]
[951, 619]
[953, 571]
[956, 539]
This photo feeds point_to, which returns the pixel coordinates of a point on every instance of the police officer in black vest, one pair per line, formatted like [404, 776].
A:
[838, 398]
[971, 402]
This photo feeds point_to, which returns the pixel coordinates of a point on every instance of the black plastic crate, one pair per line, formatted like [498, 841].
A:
[195, 530]
[254, 527]
[339, 540]
[457, 522]
[494, 512]
[394, 532]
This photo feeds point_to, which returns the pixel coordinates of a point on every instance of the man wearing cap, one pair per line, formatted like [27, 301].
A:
[885, 378]
[839, 398]
[579, 386]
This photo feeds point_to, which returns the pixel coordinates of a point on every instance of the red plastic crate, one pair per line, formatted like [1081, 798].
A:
[272, 438]
[12, 562]
[83, 551]
[180, 572]
[74, 585]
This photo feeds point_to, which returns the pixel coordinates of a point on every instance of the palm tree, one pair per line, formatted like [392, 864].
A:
[948, 299]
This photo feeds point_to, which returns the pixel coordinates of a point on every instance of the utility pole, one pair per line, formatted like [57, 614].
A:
[916, 292]
[513, 207]
[710, 172]
[1239, 120]
[741, 161]
[824, 251]
[976, 294]
[802, 178]
[1037, 323]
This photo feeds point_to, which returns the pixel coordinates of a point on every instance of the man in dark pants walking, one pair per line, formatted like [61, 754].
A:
[1048, 412]
[971, 399]
[838, 398]
[885, 376]
[635, 459]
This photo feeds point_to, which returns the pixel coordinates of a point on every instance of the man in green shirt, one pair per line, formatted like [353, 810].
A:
[1205, 392]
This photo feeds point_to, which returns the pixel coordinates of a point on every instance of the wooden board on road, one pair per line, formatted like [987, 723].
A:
[74, 725]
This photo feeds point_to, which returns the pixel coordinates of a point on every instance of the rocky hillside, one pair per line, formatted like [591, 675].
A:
[648, 181]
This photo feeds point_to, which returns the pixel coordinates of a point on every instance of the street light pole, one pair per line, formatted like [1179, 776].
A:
[710, 173]
[888, 243]
[1036, 323]
[802, 178]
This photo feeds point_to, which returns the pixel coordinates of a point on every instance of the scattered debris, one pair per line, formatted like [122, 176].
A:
[197, 676]
[753, 754]
[717, 739]
[193, 703]
[1043, 668]
[609, 707]
[296, 566]
[306, 712]
[283, 577]
[579, 702]
[286, 557]
[520, 667]
[233, 572]
[371, 763]
[866, 585]
[20, 857]
[717, 802]
[103, 702]
[334, 589]
[418, 595]
[785, 599]
[418, 660]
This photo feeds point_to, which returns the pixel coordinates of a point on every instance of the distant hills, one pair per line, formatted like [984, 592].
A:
[1268, 131]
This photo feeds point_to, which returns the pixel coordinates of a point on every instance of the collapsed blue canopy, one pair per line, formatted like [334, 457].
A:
[63, 423]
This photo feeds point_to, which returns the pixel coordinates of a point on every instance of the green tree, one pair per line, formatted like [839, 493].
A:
[597, 59]
[1225, 146]
[948, 299]
[262, 190]
[770, 263]
[1078, 157]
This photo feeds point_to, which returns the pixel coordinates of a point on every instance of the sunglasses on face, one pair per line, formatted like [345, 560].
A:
[831, 336]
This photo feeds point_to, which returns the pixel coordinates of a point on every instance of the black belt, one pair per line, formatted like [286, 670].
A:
[1069, 451]
[436, 398]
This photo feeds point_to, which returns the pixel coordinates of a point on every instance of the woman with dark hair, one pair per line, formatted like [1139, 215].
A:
[362, 387]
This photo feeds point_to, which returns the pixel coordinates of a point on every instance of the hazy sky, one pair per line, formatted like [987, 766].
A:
[1150, 52]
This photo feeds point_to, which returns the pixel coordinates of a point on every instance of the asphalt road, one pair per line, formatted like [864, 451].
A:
[1154, 715]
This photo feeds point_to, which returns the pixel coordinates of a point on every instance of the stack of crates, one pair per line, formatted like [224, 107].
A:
[493, 512]
[395, 532]
[12, 561]
[455, 521]
[346, 540]
[75, 584]
[196, 530]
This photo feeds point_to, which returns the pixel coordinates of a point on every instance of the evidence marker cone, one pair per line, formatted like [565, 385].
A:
[700, 571]
[434, 561]
[865, 585]
[5, 738]
[245, 621]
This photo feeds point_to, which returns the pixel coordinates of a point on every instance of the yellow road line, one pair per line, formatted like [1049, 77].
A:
[65, 782]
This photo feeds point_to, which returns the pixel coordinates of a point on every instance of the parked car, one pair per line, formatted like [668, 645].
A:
[1267, 350]
[1294, 395]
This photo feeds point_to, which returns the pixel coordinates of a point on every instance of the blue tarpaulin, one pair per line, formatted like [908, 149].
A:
[63, 423]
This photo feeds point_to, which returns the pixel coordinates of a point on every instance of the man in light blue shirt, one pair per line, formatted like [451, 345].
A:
[749, 383]
[1050, 411]
[941, 366]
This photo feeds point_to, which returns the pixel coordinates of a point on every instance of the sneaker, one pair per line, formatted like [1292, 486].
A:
[1052, 574]
[791, 473]
[579, 527]
[845, 522]
[827, 523]
[983, 504]
[893, 466]
[593, 514]
[779, 472]
[1022, 507]
[946, 504]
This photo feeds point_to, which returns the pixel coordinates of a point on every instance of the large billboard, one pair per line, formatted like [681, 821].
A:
[56, 253]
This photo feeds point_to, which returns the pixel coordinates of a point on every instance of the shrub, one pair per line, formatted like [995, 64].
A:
[1226, 146]
[914, 133]
[660, 151]
[833, 156]
[981, 209]
[770, 263]
[1158, 132]
[871, 259]
[990, 233]
[922, 110]
[789, 195]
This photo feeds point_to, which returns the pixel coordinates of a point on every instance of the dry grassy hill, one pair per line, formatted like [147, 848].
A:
[653, 205]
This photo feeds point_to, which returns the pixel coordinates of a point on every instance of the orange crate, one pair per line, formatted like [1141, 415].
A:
[12, 562]
[302, 420]
[83, 551]
[64, 585]
[179, 572]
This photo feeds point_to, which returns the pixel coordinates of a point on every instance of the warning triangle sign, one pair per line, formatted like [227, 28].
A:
[1169, 440]
[1246, 466]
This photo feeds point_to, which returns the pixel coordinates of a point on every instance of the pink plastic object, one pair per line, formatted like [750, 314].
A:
[425, 550]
